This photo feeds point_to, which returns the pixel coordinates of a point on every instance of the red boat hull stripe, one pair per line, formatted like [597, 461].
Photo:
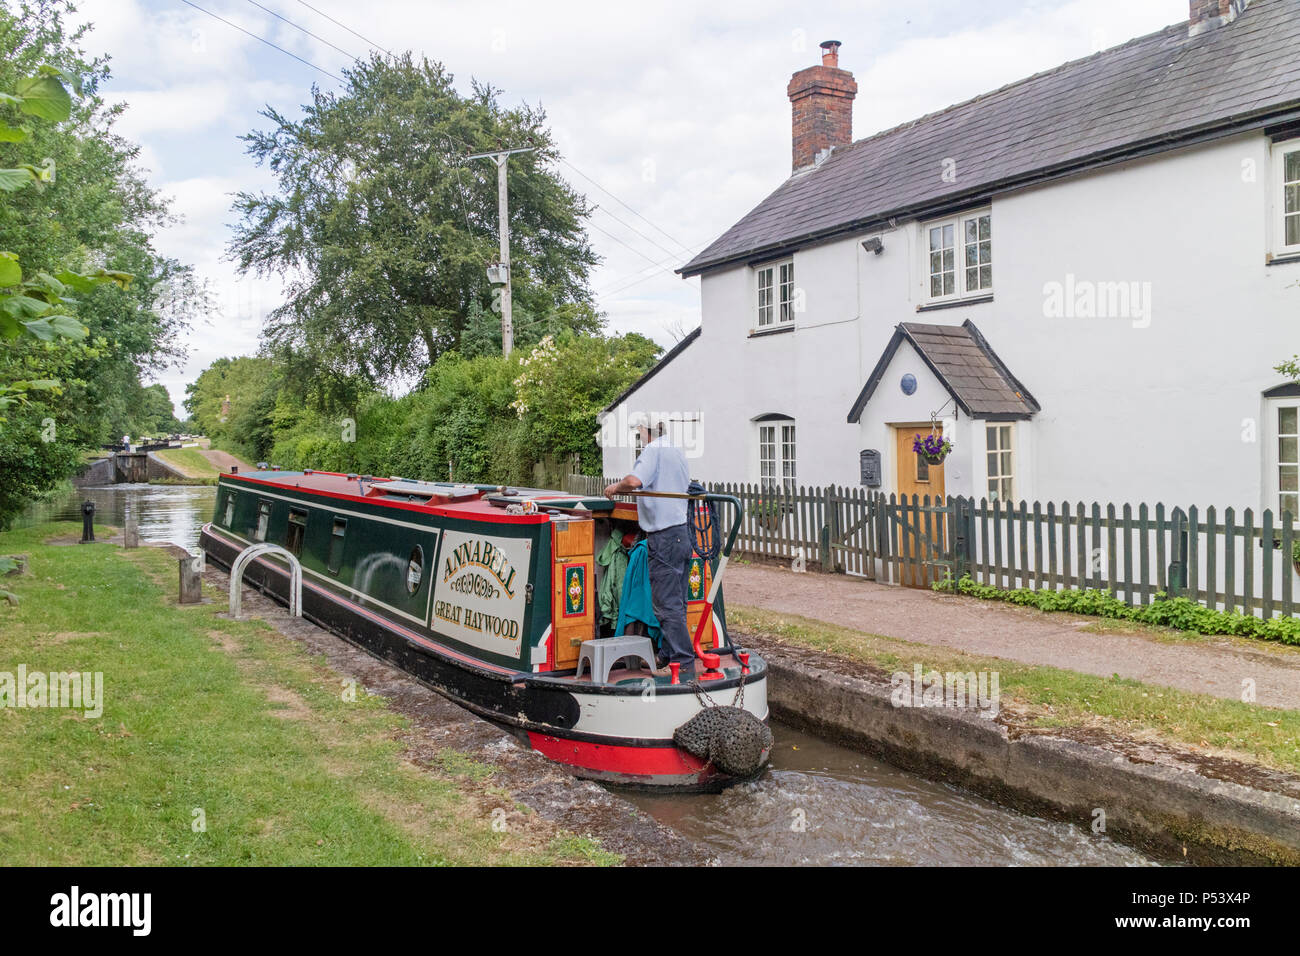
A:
[613, 758]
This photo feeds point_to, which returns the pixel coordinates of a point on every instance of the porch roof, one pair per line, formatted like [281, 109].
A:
[962, 361]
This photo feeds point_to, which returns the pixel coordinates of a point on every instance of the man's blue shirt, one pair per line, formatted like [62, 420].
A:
[661, 467]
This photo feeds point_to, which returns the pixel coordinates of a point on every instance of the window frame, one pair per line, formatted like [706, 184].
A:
[262, 526]
[999, 450]
[957, 223]
[783, 443]
[1274, 463]
[777, 296]
[338, 538]
[1277, 197]
[293, 542]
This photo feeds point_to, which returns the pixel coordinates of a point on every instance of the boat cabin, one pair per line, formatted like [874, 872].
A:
[509, 576]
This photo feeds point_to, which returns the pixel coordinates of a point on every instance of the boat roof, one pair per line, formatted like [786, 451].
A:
[443, 498]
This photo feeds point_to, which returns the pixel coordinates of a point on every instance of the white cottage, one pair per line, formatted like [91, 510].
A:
[1083, 279]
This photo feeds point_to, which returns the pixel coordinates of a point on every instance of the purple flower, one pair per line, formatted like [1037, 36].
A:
[932, 445]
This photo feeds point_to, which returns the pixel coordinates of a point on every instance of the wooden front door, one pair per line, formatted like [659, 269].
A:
[919, 535]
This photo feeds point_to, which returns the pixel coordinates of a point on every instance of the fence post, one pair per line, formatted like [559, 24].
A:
[960, 552]
[884, 541]
[1176, 577]
[828, 509]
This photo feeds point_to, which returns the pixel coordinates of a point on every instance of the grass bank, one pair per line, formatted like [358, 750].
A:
[190, 463]
[220, 742]
[1048, 697]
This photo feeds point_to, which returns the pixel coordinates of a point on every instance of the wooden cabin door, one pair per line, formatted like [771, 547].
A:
[920, 530]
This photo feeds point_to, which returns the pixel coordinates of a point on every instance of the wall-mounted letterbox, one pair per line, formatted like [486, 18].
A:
[869, 466]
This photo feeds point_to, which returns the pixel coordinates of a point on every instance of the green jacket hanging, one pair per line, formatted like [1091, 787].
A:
[636, 603]
[613, 558]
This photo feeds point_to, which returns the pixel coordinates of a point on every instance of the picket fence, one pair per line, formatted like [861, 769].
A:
[1221, 558]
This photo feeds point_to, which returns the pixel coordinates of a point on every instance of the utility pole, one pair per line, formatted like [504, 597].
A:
[501, 274]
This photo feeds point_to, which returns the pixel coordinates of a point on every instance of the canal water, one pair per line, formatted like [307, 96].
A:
[821, 804]
[817, 803]
[172, 513]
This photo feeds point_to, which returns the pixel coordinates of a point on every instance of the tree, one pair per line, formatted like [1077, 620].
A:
[75, 233]
[154, 414]
[564, 383]
[227, 389]
[382, 230]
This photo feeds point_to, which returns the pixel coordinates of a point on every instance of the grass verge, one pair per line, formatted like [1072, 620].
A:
[220, 743]
[1049, 697]
[1163, 611]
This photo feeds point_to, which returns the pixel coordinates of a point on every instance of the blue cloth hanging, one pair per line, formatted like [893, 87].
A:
[636, 604]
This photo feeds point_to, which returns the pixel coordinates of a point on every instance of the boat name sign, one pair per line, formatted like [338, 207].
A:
[479, 598]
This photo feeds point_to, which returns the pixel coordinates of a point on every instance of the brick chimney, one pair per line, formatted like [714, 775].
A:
[1207, 14]
[821, 104]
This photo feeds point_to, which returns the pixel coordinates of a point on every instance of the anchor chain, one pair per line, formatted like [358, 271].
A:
[705, 701]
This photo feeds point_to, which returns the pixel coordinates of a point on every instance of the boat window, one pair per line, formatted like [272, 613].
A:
[336, 545]
[415, 570]
[230, 509]
[263, 520]
[296, 530]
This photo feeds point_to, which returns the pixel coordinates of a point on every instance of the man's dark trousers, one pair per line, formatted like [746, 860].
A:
[670, 550]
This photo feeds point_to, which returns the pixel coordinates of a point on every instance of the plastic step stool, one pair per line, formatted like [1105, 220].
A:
[602, 654]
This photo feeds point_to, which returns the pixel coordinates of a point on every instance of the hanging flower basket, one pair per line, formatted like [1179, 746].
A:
[933, 448]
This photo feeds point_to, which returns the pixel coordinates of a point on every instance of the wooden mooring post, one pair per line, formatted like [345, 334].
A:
[191, 579]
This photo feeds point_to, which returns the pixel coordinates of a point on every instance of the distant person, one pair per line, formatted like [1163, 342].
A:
[661, 466]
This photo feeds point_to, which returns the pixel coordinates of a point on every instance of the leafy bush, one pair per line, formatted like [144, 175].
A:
[522, 420]
[1175, 612]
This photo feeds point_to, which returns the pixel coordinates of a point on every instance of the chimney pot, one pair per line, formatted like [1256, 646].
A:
[830, 53]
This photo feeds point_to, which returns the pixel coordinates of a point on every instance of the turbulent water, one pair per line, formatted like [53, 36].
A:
[825, 805]
[816, 804]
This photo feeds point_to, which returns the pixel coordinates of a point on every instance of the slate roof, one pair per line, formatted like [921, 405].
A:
[964, 364]
[1151, 94]
[653, 370]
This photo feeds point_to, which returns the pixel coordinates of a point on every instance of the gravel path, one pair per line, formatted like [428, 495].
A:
[1209, 665]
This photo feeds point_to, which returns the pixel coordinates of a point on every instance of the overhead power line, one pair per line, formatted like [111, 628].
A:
[622, 203]
[659, 246]
[303, 29]
[341, 26]
[263, 40]
[622, 286]
[657, 267]
[622, 243]
[619, 283]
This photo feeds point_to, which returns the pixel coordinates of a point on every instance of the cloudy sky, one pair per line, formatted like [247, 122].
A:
[673, 115]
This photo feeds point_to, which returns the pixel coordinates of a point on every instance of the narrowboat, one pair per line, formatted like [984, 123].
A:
[490, 596]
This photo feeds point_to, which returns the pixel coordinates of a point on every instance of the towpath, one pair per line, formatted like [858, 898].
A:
[1206, 665]
[224, 459]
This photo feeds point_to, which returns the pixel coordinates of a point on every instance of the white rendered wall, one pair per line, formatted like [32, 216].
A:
[1139, 408]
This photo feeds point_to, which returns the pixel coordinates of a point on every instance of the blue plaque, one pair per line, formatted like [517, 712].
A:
[908, 384]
